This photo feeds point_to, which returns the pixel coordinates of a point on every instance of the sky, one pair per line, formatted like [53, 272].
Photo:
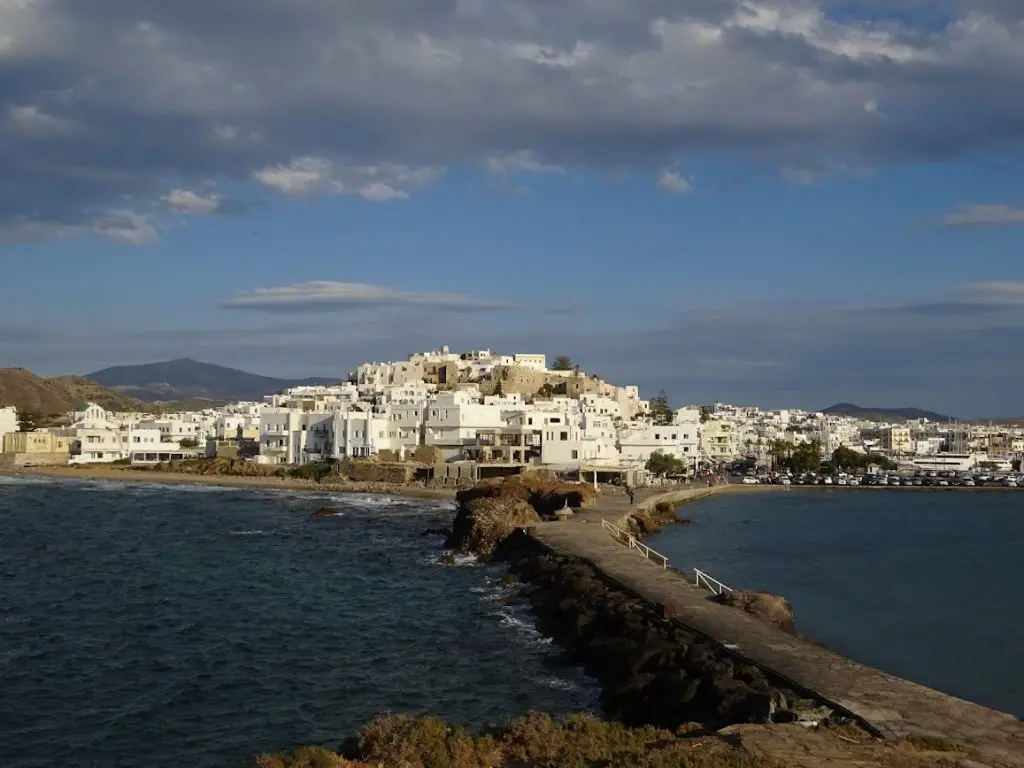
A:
[787, 203]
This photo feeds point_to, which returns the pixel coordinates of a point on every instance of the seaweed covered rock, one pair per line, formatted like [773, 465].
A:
[483, 523]
[771, 608]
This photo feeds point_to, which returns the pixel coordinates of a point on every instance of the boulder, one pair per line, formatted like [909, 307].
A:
[325, 512]
[771, 608]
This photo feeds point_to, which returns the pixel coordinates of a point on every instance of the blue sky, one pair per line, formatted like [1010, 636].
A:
[786, 202]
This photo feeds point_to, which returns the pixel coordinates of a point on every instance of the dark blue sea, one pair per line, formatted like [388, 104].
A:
[148, 625]
[924, 585]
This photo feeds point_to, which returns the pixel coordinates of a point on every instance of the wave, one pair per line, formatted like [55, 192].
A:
[247, 533]
[19, 480]
[434, 558]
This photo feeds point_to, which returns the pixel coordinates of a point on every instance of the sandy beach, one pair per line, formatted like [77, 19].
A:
[125, 474]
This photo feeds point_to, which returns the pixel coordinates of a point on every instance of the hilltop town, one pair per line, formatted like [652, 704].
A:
[483, 413]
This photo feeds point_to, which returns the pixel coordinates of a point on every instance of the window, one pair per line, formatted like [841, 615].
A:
[555, 420]
[530, 421]
[657, 436]
[575, 454]
[674, 437]
[563, 436]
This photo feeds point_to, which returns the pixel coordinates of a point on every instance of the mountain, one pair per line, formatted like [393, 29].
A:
[883, 414]
[188, 378]
[28, 392]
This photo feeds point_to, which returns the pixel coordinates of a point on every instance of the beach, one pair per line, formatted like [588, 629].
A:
[127, 474]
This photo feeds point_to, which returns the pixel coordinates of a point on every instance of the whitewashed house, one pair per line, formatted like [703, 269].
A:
[8, 421]
[454, 418]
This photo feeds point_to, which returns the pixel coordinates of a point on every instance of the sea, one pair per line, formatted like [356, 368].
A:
[925, 585]
[164, 625]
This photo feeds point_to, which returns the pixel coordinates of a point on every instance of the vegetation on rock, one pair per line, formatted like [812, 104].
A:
[577, 741]
[397, 741]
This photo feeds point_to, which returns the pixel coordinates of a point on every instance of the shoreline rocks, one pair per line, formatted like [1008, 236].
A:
[771, 608]
[652, 672]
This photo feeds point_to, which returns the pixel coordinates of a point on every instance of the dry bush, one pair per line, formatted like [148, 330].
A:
[307, 757]
[399, 741]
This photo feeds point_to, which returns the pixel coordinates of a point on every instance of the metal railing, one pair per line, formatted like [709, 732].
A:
[631, 541]
[709, 583]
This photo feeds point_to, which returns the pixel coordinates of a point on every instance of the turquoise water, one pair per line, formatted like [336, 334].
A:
[926, 586]
[144, 625]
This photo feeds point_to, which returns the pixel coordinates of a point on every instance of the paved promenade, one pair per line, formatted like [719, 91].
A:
[893, 706]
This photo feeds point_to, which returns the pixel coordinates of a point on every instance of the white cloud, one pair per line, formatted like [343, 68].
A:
[521, 161]
[672, 182]
[999, 290]
[374, 183]
[326, 294]
[984, 216]
[187, 201]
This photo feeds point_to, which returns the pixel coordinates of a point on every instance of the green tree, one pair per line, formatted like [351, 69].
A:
[780, 452]
[663, 464]
[188, 442]
[562, 363]
[29, 421]
[847, 458]
[661, 411]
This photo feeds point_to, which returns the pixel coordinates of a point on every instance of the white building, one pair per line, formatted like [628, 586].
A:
[533, 362]
[454, 418]
[638, 441]
[8, 421]
[148, 445]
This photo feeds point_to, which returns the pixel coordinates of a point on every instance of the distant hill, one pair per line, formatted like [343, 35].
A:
[28, 392]
[883, 414]
[187, 378]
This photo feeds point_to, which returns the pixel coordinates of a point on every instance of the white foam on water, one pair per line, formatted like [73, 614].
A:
[557, 683]
[434, 558]
[247, 533]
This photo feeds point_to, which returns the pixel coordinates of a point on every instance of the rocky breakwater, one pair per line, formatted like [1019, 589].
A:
[652, 671]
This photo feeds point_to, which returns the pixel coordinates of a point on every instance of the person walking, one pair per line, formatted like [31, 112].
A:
[629, 492]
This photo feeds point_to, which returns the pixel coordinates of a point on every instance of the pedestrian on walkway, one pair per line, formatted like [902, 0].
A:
[629, 492]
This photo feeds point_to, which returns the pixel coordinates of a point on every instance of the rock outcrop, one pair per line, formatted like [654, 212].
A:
[482, 524]
[490, 511]
[771, 608]
[649, 520]
[540, 489]
[324, 512]
[652, 671]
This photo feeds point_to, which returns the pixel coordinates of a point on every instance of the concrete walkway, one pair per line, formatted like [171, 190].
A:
[893, 706]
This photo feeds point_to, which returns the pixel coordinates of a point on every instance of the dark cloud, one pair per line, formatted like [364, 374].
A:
[107, 106]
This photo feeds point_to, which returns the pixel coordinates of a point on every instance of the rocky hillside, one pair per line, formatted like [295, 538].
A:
[29, 392]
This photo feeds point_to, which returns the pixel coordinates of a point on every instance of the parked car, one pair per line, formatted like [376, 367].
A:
[750, 480]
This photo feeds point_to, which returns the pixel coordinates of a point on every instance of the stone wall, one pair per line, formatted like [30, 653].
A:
[11, 460]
